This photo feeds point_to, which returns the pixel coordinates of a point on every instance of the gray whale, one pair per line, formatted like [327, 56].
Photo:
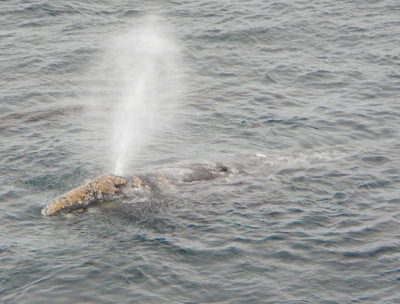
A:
[108, 187]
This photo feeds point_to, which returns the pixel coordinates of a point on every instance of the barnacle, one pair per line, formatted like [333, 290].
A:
[103, 187]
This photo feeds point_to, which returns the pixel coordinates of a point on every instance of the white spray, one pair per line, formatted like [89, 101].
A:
[146, 70]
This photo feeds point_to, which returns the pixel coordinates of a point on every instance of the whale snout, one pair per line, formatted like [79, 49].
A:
[103, 188]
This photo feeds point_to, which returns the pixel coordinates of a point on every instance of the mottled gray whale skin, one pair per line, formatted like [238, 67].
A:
[108, 187]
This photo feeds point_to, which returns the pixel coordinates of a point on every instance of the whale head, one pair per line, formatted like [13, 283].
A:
[105, 187]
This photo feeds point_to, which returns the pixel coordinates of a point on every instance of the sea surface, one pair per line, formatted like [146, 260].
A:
[302, 98]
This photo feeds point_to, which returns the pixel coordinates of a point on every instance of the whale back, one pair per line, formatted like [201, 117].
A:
[109, 187]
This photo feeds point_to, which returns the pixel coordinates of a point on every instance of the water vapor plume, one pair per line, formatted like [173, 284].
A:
[146, 68]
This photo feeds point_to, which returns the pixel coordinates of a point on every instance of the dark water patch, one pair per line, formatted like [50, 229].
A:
[43, 10]
[294, 188]
[349, 223]
[256, 269]
[375, 184]
[373, 253]
[132, 13]
[134, 275]
[346, 215]
[290, 171]
[294, 121]
[261, 239]
[339, 195]
[35, 116]
[277, 237]
[287, 257]
[295, 210]
[394, 200]
[364, 232]
[9, 195]
[310, 222]
[318, 80]
[376, 160]
[301, 246]
[274, 214]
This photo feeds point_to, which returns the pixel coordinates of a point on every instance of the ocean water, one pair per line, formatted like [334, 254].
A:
[301, 97]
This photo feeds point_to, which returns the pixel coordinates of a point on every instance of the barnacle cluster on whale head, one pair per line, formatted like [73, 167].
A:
[103, 188]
